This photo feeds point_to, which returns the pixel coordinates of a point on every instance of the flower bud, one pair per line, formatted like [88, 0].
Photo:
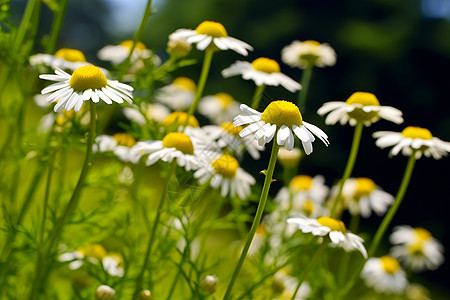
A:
[145, 295]
[209, 284]
[289, 159]
[104, 292]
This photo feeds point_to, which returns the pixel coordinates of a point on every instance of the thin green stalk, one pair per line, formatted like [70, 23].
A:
[350, 164]
[257, 219]
[46, 196]
[345, 260]
[140, 278]
[257, 96]
[56, 27]
[25, 24]
[308, 268]
[201, 83]
[306, 79]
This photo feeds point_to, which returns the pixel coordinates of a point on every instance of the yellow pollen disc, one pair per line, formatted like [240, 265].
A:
[300, 183]
[390, 265]
[129, 43]
[211, 28]
[179, 118]
[422, 234]
[94, 250]
[179, 141]
[311, 43]
[364, 186]
[417, 133]
[416, 249]
[363, 98]
[225, 99]
[333, 224]
[266, 65]
[72, 55]
[229, 127]
[282, 112]
[308, 207]
[124, 139]
[226, 165]
[185, 83]
[87, 77]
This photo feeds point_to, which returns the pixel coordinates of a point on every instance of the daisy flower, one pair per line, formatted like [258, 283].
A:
[116, 54]
[178, 95]
[263, 71]
[333, 229]
[416, 248]
[178, 47]
[64, 58]
[289, 158]
[411, 140]
[226, 174]
[280, 118]
[92, 253]
[120, 144]
[212, 34]
[360, 107]
[284, 285]
[385, 275]
[362, 196]
[175, 145]
[85, 83]
[178, 119]
[113, 264]
[149, 111]
[219, 108]
[301, 54]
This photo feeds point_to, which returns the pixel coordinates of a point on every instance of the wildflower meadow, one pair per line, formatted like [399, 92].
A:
[224, 150]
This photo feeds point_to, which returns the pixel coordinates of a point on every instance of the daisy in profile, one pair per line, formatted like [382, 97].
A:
[225, 174]
[412, 140]
[178, 47]
[416, 248]
[385, 275]
[177, 119]
[148, 111]
[178, 95]
[280, 118]
[289, 158]
[116, 54]
[120, 144]
[302, 54]
[64, 58]
[263, 71]
[362, 196]
[333, 229]
[219, 108]
[86, 83]
[360, 107]
[213, 35]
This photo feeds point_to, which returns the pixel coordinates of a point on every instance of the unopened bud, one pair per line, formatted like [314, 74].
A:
[209, 284]
[104, 292]
[145, 295]
[289, 159]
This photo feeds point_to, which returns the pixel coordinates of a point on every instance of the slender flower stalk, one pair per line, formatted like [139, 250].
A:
[257, 96]
[257, 219]
[305, 81]
[46, 196]
[56, 27]
[349, 167]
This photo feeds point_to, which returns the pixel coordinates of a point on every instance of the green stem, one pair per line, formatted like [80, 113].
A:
[257, 219]
[257, 96]
[46, 196]
[350, 164]
[140, 278]
[308, 268]
[25, 24]
[345, 260]
[56, 27]
[306, 79]
[201, 83]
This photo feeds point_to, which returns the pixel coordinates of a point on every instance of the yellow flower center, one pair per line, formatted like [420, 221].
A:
[226, 165]
[225, 99]
[185, 83]
[417, 133]
[179, 118]
[124, 139]
[229, 127]
[94, 250]
[179, 141]
[308, 207]
[360, 99]
[213, 29]
[72, 55]
[266, 65]
[282, 112]
[390, 265]
[129, 43]
[87, 77]
[364, 186]
[300, 183]
[333, 224]
[311, 43]
[422, 234]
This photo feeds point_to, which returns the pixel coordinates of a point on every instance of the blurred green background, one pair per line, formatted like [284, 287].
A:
[398, 50]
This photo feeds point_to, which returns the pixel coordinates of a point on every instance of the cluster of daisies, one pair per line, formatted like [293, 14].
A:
[212, 152]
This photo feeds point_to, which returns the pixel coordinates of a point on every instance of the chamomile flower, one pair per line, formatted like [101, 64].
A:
[93, 253]
[334, 229]
[116, 54]
[385, 275]
[120, 144]
[219, 108]
[281, 118]
[175, 145]
[360, 107]
[178, 47]
[149, 111]
[178, 119]
[85, 83]
[301, 54]
[178, 95]
[64, 58]
[362, 196]
[212, 34]
[113, 264]
[226, 175]
[416, 248]
[263, 71]
[289, 158]
[412, 140]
